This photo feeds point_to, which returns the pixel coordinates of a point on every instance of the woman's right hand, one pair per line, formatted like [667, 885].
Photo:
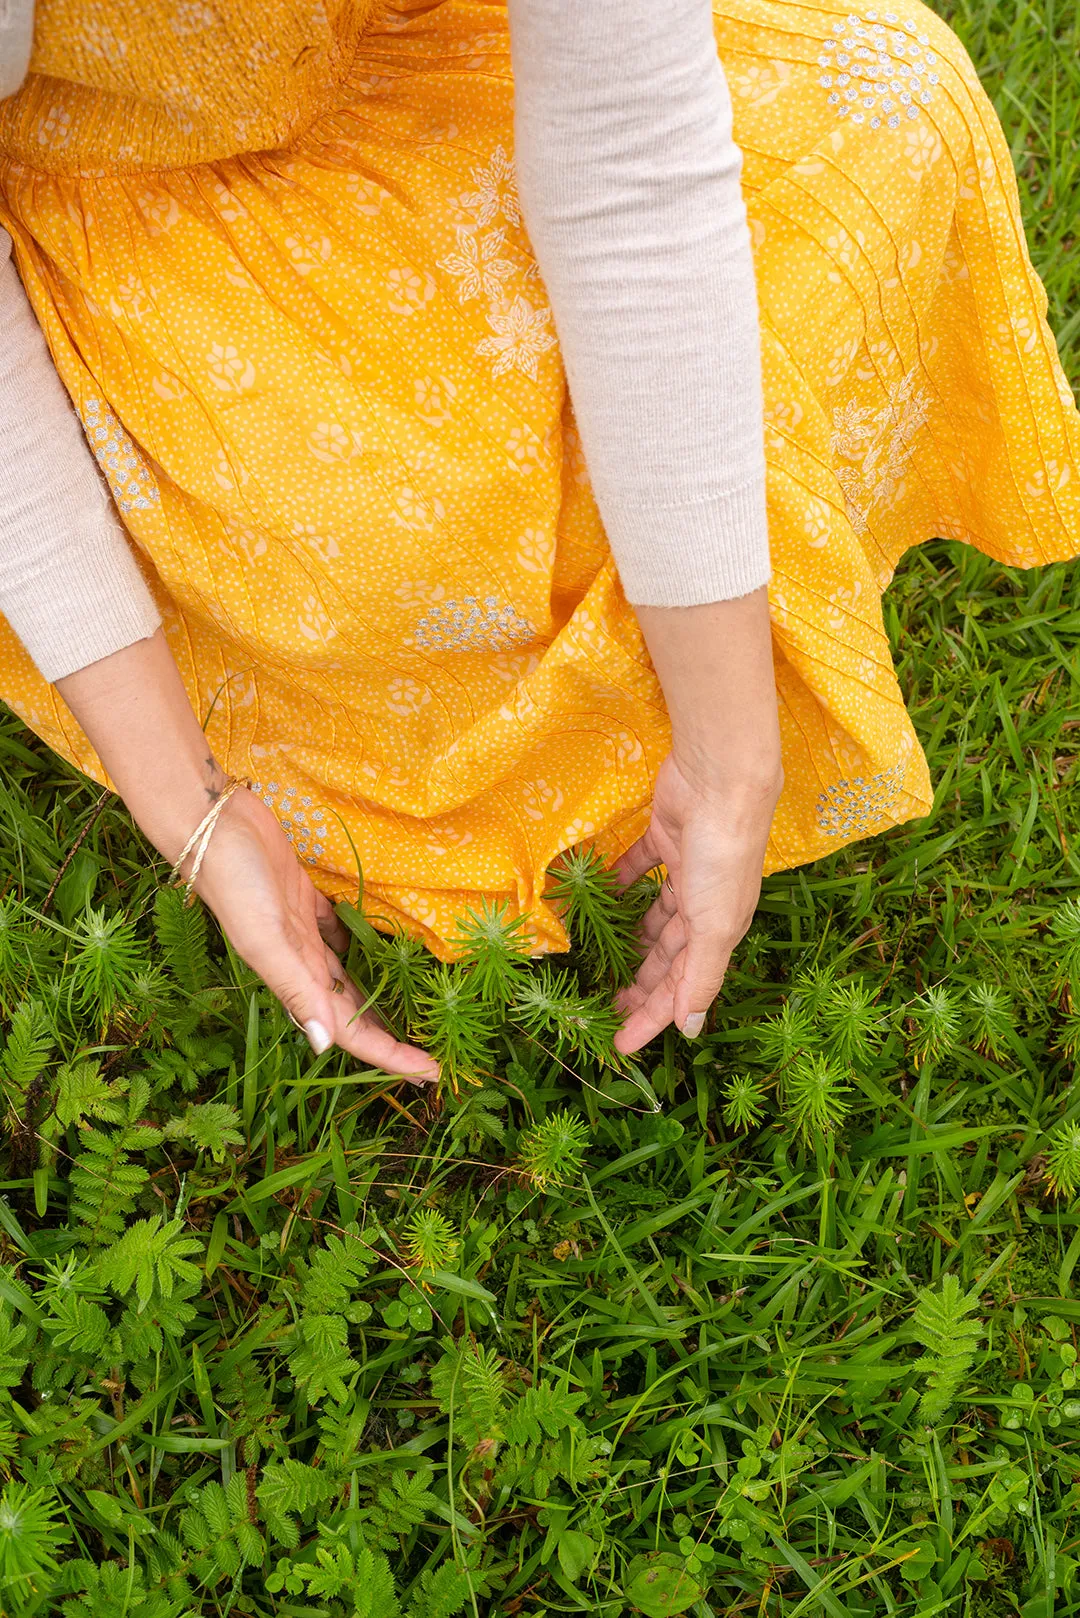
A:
[135, 711]
[286, 930]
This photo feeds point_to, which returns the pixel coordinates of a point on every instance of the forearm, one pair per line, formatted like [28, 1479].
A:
[630, 186]
[715, 666]
[70, 586]
[135, 711]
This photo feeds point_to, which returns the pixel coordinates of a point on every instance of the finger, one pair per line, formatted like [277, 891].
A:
[704, 966]
[362, 1036]
[662, 957]
[654, 968]
[653, 1015]
[637, 859]
[327, 1018]
[356, 1028]
[656, 918]
[331, 927]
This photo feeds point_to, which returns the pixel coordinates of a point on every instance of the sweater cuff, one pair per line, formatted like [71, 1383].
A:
[690, 554]
[100, 603]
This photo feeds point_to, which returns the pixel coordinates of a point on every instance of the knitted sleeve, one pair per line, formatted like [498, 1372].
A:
[70, 586]
[630, 185]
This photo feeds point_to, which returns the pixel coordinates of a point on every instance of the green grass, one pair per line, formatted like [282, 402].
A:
[779, 1322]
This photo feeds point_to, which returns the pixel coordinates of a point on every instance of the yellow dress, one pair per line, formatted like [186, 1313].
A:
[276, 251]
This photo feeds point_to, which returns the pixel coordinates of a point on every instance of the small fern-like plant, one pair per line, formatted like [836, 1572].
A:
[458, 1028]
[1062, 1169]
[949, 1337]
[854, 1025]
[494, 949]
[815, 1096]
[554, 1151]
[1065, 932]
[938, 1025]
[405, 963]
[602, 925]
[431, 1241]
[744, 1102]
[781, 1038]
[105, 957]
[991, 1018]
[546, 1004]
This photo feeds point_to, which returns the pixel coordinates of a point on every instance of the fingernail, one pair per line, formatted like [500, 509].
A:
[318, 1035]
[694, 1024]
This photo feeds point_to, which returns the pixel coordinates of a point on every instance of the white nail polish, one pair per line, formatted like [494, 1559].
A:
[318, 1035]
[694, 1024]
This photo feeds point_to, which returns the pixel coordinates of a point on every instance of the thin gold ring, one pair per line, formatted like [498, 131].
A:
[338, 986]
[667, 884]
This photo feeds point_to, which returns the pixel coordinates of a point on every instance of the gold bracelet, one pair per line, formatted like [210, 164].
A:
[203, 830]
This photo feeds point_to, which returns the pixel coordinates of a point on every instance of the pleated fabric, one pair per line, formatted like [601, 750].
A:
[277, 253]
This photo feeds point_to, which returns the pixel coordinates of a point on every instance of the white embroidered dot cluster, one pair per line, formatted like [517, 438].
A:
[879, 71]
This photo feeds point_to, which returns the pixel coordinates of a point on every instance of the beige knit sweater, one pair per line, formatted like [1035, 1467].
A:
[630, 190]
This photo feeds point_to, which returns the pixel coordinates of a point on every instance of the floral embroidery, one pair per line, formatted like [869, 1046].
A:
[882, 441]
[472, 625]
[292, 813]
[496, 189]
[852, 807]
[520, 338]
[129, 478]
[883, 69]
[478, 264]
[520, 331]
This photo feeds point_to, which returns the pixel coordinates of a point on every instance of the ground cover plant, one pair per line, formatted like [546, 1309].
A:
[779, 1321]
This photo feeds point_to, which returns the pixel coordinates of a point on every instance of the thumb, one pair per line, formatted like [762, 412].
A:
[705, 961]
[308, 1003]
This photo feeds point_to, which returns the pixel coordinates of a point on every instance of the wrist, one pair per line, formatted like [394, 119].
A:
[731, 769]
[168, 813]
[135, 711]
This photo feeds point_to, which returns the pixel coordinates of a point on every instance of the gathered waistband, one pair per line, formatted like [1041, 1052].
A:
[118, 89]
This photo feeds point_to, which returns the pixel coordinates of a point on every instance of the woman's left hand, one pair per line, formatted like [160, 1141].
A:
[712, 841]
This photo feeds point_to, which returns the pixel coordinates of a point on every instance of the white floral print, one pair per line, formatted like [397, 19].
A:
[405, 696]
[229, 370]
[191, 17]
[330, 441]
[409, 290]
[434, 396]
[325, 546]
[415, 514]
[306, 253]
[523, 449]
[313, 621]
